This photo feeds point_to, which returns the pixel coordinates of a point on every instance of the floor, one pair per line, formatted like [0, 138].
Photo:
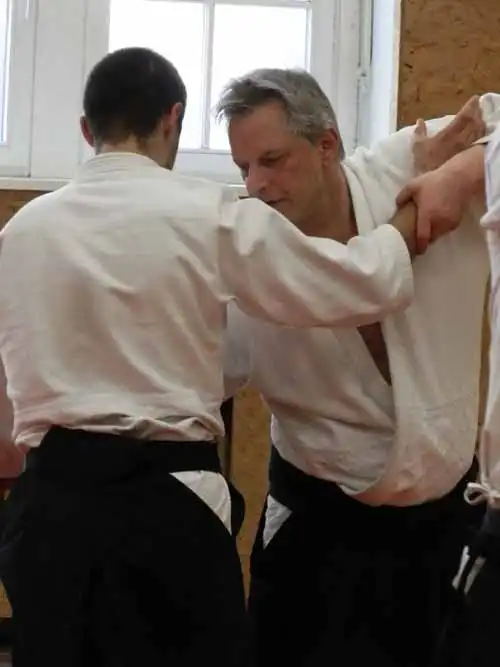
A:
[5, 660]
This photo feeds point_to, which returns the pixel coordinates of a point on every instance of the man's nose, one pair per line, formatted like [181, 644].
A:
[255, 182]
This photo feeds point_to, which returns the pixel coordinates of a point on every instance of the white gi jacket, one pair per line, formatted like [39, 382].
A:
[113, 296]
[333, 414]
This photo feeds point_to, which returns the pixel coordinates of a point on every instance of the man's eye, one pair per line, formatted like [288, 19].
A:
[270, 161]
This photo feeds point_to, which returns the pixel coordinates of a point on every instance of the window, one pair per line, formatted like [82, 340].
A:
[17, 39]
[5, 33]
[209, 41]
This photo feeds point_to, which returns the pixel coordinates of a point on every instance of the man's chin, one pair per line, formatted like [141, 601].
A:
[284, 208]
[280, 207]
[287, 212]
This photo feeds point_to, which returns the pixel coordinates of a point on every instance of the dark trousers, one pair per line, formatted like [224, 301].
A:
[109, 561]
[343, 582]
[472, 636]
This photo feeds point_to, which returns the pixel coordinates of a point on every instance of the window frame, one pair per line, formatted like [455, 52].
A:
[80, 29]
[20, 47]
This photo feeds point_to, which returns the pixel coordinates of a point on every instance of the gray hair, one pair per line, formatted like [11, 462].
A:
[308, 109]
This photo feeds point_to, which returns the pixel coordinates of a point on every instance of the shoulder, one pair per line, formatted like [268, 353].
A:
[195, 197]
[202, 187]
[32, 211]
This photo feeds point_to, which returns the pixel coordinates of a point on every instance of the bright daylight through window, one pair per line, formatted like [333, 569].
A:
[210, 42]
[47, 47]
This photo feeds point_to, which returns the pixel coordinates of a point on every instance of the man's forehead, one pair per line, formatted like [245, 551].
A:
[268, 117]
[262, 130]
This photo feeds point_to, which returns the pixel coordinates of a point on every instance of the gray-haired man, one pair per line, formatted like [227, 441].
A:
[373, 429]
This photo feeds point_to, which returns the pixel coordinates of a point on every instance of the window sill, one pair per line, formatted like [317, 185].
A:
[26, 183]
[50, 184]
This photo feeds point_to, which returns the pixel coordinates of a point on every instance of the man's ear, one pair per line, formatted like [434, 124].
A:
[87, 134]
[176, 116]
[329, 145]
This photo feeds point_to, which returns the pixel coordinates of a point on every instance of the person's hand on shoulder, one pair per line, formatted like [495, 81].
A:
[440, 202]
[467, 127]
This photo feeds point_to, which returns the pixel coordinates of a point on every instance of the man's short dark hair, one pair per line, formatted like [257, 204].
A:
[128, 92]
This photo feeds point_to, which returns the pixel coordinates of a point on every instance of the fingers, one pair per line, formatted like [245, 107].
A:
[405, 196]
[469, 113]
[476, 127]
[468, 125]
[471, 106]
[420, 128]
[424, 228]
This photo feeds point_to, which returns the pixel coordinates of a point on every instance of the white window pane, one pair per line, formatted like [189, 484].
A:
[248, 37]
[4, 66]
[175, 30]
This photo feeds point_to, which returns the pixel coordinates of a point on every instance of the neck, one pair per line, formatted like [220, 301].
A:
[146, 147]
[334, 215]
[130, 145]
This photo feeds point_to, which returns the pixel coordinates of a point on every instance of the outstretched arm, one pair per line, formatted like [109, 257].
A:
[278, 274]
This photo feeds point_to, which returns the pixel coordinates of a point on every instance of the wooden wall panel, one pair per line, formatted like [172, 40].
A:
[450, 50]
[250, 458]
[12, 200]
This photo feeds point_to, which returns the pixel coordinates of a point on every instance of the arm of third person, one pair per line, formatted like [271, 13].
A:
[446, 192]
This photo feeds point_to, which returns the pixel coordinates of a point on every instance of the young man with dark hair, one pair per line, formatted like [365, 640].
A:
[127, 94]
[119, 547]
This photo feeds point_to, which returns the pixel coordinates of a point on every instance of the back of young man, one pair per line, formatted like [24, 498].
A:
[119, 546]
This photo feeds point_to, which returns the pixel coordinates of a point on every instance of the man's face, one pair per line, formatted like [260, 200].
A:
[282, 169]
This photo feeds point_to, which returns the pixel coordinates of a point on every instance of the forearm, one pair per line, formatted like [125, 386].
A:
[405, 221]
[276, 273]
[468, 169]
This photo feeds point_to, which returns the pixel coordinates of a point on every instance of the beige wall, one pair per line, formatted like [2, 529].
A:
[450, 49]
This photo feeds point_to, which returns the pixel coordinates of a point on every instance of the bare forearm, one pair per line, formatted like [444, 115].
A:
[468, 168]
[405, 221]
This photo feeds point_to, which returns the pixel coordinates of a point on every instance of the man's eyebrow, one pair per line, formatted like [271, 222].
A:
[270, 153]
